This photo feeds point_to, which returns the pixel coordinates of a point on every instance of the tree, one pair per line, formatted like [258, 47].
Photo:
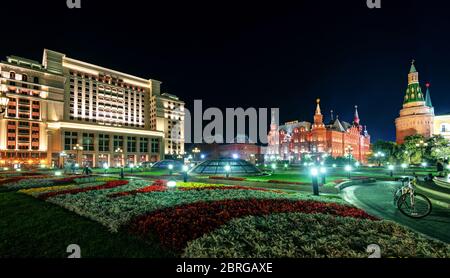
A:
[382, 151]
[339, 161]
[415, 148]
[439, 150]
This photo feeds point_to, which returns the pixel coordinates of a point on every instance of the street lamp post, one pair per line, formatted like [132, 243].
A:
[170, 169]
[315, 181]
[323, 174]
[185, 173]
[78, 149]
[379, 156]
[391, 170]
[422, 145]
[348, 169]
[195, 151]
[349, 151]
[120, 151]
[227, 169]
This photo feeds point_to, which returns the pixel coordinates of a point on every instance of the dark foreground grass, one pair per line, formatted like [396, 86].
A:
[33, 228]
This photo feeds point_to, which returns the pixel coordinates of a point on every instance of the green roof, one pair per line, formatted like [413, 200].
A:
[414, 93]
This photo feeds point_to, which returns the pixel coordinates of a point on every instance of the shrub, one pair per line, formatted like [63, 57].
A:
[177, 225]
[298, 235]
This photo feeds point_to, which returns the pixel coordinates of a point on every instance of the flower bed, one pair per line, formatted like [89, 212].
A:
[298, 235]
[115, 212]
[107, 185]
[160, 186]
[177, 225]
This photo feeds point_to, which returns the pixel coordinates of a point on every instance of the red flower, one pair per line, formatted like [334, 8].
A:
[107, 185]
[231, 187]
[178, 225]
[157, 186]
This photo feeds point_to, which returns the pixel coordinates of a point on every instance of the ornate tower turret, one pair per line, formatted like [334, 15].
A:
[414, 91]
[417, 115]
[318, 117]
[356, 117]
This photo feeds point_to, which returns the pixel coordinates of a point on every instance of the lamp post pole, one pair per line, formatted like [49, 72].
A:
[78, 149]
[422, 145]
[349, 151]
[196, 151]
[120, 151]
[315, 181]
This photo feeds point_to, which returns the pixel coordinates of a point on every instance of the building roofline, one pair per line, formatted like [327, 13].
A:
[100, 68]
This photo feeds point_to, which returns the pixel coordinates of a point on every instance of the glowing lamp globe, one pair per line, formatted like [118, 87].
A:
[314, 172]
[185, 168]
[171, 184]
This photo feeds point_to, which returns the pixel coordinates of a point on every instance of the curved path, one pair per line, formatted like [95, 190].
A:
[377, 199]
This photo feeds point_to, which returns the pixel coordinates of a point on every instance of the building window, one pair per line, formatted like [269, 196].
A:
[131, 144]
[70, 140]
[103, 143]
[143, 148]
[155, 145]
[118, 142]
[445, 128]
[88, 141]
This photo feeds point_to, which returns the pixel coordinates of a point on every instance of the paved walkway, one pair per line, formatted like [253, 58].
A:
[377, 199]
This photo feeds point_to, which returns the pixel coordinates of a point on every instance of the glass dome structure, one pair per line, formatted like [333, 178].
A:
[164, 164]
[217, 166]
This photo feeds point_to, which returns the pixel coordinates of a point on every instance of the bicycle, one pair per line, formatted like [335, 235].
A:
[411, 203]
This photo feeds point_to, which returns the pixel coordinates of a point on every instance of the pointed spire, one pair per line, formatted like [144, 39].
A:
[428, 97]
[318, 112]
[318, 118]
[413, 67]
[356, 118]
[332, 116]
[414, 91]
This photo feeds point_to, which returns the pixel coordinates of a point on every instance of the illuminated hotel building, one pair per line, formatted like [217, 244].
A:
[65, 110]
[170, 118]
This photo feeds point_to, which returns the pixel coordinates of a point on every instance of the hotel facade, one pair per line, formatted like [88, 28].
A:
[67, 111]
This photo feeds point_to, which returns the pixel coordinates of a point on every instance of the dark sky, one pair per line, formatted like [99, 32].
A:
[257, 54]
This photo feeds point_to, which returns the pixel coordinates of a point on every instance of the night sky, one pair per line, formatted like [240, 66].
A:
[258, 54]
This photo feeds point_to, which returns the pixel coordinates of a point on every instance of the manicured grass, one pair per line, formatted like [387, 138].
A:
[32, 228]
[302, 174]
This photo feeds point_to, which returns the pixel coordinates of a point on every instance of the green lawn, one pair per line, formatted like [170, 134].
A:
[33, 228]
[303, 175]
